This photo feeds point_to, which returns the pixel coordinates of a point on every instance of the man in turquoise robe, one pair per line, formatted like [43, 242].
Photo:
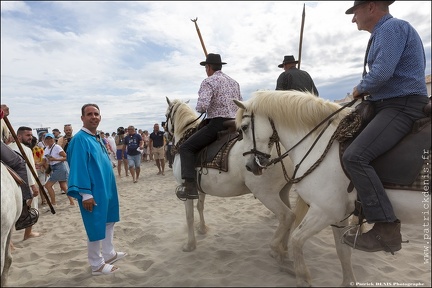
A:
[92, 182]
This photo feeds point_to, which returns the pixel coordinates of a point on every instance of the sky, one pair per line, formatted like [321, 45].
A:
[128, 56]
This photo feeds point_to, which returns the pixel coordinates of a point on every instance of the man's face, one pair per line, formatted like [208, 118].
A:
[68, 131]
[156, 127]
[131, 130]
[91, 118]
[56, 133]
[362, 16]
[5, 109]
[25, 137]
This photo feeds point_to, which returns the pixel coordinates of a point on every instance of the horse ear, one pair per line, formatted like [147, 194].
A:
[168, 101]
[187, 101]
[239, 104]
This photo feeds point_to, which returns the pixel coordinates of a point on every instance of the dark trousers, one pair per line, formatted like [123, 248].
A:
[168, 155]
[195, 143]
[18, 164]
[393, 120]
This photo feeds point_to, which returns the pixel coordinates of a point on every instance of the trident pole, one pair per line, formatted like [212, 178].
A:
[301, 36]
[24, 155]
[199, 35]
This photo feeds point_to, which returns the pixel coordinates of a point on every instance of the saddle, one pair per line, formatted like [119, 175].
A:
[215, 155]
[407, 164]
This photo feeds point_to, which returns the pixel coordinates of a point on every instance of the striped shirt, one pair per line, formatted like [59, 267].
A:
[396, 61]
[216, 94]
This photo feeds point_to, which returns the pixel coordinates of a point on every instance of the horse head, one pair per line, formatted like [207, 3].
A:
[179, 118]
[257, 135]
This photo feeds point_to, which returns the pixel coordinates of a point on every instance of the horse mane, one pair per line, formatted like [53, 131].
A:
[183, 116]
[295, 109]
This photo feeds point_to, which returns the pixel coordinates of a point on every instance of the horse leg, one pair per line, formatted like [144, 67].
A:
[285, 196]
[202, 228]
[286, 218]
[313, 222]
[191, 244]
[344, 254]
[7, 260]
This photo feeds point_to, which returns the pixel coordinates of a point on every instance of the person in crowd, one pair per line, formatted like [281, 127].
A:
[293, 78]
[395, 87]
[6, 135]
[38, 155]
[111, 148]
[92, 183]
[133, 142]
[56, 132]
[215, 98]
[146, 139]
[64, 140]
[157, 148]
[55, 157]
[24, 136]
[168, 146]
[121, 154]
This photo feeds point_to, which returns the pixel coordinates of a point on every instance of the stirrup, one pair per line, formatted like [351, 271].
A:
[181, 193]
[30, 220]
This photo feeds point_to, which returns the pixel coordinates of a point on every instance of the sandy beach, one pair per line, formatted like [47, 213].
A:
[234, 252]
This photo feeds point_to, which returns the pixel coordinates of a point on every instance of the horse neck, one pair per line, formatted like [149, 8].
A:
[299, 144]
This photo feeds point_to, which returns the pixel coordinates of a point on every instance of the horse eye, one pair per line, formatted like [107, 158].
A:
[244, 127]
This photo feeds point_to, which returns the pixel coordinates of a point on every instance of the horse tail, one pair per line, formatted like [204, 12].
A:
[301, 208]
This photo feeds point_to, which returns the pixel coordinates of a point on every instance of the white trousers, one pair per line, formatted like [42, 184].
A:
[95, 257]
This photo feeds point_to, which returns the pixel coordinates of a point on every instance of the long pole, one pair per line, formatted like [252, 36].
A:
[41, 188]
[199, 35]
[301, 36]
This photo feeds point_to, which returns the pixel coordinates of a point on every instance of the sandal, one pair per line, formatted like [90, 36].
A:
[118, 256]
[106, 269]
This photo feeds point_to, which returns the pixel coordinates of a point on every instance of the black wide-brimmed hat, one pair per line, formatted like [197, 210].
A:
[357, 3]
[287, 59]
[213, 59]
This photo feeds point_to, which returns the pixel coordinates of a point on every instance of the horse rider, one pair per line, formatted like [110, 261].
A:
[17, 163]
[215, 97]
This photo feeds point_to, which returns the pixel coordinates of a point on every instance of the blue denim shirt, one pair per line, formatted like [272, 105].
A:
[396, 61]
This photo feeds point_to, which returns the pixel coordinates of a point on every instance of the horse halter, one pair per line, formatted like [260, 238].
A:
[169, 119]
[258, 155]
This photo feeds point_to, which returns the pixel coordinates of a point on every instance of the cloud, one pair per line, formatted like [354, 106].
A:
[126, 56]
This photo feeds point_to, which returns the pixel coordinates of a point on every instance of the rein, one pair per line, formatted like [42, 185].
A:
[188, 132]
[275, 139]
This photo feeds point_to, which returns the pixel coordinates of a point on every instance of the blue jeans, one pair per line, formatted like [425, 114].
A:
[134, 161]
[393, 120]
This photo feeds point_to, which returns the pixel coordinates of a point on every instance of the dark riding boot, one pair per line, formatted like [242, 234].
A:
[384, 236]
[29, 217]
[187, 191]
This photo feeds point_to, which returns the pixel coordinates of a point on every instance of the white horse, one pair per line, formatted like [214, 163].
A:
[269, 188]
[324, 187]
[11, 205]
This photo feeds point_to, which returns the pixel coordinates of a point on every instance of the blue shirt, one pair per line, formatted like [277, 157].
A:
[91, 173]
[396, 61]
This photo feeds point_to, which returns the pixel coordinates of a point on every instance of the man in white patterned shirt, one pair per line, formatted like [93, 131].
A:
[215, 97]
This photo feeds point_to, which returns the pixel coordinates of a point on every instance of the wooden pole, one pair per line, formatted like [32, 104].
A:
[199, 35]
[24, 155]
[301, 36]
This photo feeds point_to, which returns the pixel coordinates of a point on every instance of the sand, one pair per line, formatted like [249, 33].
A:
[234, 252]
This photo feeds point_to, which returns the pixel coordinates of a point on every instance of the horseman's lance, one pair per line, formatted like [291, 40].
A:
[199, 35]
[24, 155]
[301, 36]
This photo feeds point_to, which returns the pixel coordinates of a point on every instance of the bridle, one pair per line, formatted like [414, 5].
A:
[170, 116]
[261, 157]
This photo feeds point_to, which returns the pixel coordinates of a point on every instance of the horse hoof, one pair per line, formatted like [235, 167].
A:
[189, 248]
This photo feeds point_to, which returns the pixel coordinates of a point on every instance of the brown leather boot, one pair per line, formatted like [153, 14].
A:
[187, 191]
[384, 236]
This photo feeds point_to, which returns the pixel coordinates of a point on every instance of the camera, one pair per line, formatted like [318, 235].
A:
[121, 131]
[163, 124]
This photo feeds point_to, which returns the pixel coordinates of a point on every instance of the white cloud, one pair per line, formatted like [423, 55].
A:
[127, 56]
